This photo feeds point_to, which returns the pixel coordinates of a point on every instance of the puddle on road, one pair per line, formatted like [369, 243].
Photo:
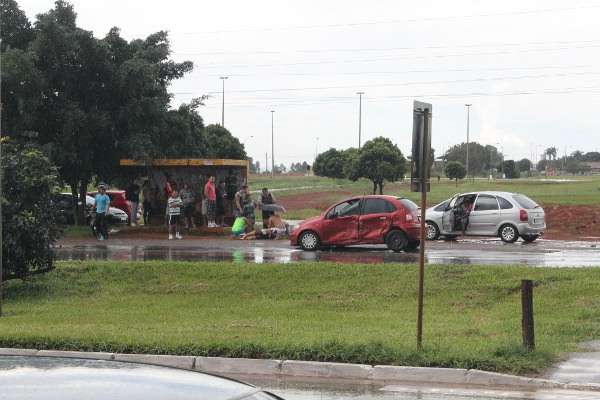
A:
[455, 255]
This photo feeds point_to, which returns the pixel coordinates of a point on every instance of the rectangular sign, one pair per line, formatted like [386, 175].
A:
[421, 147]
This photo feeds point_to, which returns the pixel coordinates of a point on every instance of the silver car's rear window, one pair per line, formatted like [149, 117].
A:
[408, 204]
[525, 201]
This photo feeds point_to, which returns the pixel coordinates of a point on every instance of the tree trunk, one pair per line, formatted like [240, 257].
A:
[380, 187]
[82, 194]
[456, 182]
[374, 187]
[75, 205]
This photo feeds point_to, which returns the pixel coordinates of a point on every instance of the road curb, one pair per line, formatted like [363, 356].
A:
[311, 369]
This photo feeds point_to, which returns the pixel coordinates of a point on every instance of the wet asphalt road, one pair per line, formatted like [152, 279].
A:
[542, 253]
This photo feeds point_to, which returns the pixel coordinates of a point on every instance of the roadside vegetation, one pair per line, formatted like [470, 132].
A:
[307, 311]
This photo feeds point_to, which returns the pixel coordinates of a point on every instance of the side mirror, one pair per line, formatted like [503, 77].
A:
[332, 215]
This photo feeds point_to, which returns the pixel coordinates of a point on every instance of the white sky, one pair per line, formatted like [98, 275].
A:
[447, 53]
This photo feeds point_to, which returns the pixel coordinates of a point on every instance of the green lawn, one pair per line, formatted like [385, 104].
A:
[347, 313]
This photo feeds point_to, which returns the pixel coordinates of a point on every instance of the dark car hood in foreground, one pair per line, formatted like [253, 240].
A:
[49, 378]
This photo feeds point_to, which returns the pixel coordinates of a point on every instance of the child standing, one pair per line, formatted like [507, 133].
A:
[174, 205]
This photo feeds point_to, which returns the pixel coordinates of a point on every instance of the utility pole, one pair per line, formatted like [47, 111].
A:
[223, 78]
[468, 123]
[359, 115]
[266, 162]
[272, 147]
[317, 148]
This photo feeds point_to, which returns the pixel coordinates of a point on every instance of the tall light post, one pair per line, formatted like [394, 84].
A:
[359, 116]
[272, 146]
[317, 148]
[223, 78]
[468, 123]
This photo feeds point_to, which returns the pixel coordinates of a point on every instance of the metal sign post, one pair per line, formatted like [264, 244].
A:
[420, 173]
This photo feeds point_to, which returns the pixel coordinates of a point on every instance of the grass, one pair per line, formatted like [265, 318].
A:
[311, 311]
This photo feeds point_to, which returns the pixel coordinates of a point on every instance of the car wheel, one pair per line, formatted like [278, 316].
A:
[508, 233]
[309, 241]
[396, 240]
[530, 238]
[412, 245]
[432, 232]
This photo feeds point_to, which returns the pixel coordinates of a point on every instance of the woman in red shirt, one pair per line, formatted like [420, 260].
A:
[210, 194]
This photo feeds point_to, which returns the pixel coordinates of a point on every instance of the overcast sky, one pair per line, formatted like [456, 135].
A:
[530, 69]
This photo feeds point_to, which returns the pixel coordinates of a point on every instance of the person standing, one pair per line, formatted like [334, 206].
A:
[266, 198]
[133, 198]
[174, 205]
[221, 196]
[188, 206]
[147, 201]
[102, 206]
[210, 194]
[240, 200]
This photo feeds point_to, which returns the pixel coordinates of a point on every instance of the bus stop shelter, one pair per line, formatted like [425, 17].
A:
[154, 174]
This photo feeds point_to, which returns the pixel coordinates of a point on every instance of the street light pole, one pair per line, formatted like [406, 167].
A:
[468, 123]
[359, 116]
[272, 147]
[223, 78]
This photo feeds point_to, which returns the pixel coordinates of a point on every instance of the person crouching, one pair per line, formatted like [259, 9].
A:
[174, 205]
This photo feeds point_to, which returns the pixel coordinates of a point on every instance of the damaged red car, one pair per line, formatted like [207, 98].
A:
[389, 220]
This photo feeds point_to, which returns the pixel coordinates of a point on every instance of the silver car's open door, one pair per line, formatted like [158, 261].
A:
[448, 216]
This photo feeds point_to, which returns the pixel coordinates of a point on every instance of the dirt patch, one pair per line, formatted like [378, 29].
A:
[314, 200]
[572, 222]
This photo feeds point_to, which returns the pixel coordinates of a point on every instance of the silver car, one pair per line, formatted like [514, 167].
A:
[503, 214]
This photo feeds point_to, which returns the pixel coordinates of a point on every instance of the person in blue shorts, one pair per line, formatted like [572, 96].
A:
[102, 206]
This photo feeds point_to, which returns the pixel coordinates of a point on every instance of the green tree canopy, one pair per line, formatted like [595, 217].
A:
[524, 165]
[510, 169]
[222, 144]
[331, 163]
[455, 170]
[481, 158]
[379, 160]
[28, 224]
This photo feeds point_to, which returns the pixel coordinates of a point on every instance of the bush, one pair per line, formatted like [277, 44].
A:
[455, 170]
[28, 221]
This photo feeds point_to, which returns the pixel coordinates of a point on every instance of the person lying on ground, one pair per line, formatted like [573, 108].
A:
[266, 234]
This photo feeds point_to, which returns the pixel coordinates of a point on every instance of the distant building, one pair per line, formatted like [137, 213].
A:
[594, 166]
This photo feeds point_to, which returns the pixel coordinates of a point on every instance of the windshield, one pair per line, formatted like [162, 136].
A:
[408, 204]
[525, 201]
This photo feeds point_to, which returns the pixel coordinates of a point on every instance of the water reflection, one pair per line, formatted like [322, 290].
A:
[259, 253]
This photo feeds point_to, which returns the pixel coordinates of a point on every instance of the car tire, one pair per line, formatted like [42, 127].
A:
[530, 238]
[412, 245]
[309, 240]
[432, 232]
[508, 233]
[396, 240]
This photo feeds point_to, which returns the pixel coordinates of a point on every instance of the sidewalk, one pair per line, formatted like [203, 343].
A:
[355, 373]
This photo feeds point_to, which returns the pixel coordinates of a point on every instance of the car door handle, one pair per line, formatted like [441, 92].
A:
[382, 218]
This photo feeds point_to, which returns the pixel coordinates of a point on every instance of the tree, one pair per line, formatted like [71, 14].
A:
[574, 166]
[331, 164]
[551, 153]
[16, 28]
[481, 159]
[455, 170]
[591, 156]
[28, 224]
[510, 169]
[93, 101]
[524, 165]
[379, 160]
[542, 165]
[222, 144]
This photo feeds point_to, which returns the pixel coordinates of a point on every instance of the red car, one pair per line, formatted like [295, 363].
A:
[362, 220]
[117, 199]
